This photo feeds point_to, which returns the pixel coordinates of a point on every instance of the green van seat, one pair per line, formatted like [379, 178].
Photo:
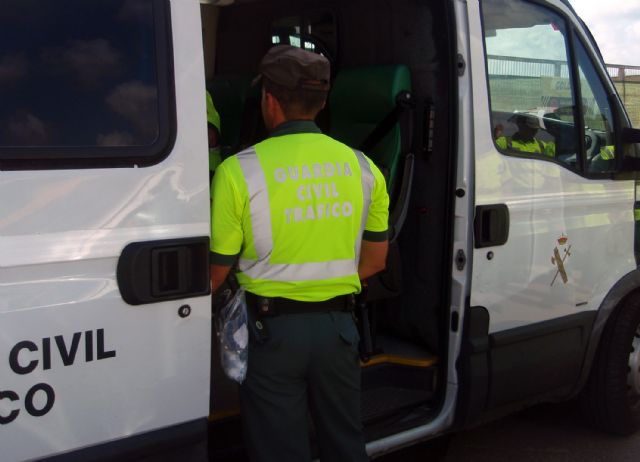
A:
[360, 99]
[230, 94]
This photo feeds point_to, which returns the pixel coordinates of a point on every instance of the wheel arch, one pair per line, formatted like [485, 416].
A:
[621, 290]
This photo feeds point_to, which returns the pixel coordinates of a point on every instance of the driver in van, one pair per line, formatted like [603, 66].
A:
[524, 139]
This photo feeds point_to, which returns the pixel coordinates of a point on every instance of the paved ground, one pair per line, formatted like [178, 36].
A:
[553, 433]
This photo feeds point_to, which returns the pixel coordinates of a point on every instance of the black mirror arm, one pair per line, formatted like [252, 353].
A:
[630, 135]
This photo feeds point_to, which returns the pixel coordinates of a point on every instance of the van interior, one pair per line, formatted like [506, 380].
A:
[393, 95]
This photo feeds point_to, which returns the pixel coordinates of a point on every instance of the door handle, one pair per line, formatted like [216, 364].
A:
[156, 271]
[491, 225]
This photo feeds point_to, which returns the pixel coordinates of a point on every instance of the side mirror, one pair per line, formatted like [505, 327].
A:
[630, 160]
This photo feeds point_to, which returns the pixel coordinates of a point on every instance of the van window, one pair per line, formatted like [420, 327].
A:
[315, 31]
[80, 89]
[597, 115]
[532, 103]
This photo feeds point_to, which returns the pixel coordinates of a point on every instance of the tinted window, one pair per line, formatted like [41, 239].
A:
[597, 115]
[83, 77]
[532, 104]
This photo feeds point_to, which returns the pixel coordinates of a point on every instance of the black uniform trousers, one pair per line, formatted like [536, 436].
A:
[309, 363]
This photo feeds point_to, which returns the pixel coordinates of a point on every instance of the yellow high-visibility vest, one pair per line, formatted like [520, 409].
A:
[533, 146]
[295, 209]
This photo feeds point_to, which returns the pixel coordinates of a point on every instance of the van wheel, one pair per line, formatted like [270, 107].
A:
[611, 398]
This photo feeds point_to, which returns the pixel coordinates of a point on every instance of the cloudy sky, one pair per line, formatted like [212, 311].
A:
[616, 26]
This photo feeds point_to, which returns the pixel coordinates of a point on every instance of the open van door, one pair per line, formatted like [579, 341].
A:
[549, 209]
[104, 309]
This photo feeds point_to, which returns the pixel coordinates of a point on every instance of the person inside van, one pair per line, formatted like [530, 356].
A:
[213, 129]
[524, 139]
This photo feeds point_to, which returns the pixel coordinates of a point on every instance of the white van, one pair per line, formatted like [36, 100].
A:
[513, 273]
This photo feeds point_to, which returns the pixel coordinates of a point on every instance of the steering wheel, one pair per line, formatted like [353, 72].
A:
[591, 144]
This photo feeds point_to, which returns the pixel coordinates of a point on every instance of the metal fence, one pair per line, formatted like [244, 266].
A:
[510, 66]
[627, 81]
[518, 83]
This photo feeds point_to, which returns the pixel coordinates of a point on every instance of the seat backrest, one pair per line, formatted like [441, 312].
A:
[360, 99]
[230, 94]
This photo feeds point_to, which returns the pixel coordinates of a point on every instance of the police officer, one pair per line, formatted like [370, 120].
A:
[524, 139]
[306, 218]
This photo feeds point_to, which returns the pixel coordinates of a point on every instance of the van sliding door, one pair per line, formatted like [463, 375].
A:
[104, 314]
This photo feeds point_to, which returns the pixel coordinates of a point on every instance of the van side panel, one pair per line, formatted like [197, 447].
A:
[79, 366]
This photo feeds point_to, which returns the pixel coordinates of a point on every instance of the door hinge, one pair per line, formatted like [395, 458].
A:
[461, 260]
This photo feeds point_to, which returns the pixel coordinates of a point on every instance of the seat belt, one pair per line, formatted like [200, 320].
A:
[404, 102]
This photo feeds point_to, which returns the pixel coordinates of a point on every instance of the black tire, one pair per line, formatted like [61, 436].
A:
[608, 401]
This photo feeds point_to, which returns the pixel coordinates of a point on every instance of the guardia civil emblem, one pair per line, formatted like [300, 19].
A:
[560, 254]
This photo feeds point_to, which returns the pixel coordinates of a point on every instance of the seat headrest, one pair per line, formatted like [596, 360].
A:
[367, 94]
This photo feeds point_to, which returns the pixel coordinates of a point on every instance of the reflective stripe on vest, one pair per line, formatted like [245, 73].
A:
[522, 146]
[258, 203]
[260, 213]
[368, 181]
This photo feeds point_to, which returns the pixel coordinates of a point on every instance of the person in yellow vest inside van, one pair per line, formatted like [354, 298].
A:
[213, 129]
[306, 218]
[524, 139]
[604, 160]
[608, 152]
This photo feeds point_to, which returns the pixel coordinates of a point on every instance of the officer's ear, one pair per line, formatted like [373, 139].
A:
[271, 110]
[268, 99]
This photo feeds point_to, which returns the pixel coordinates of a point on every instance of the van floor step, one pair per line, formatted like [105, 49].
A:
[383, 401]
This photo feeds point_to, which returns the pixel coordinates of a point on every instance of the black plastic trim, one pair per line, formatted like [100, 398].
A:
[507, 370]
[189, 438]
[538, 329]
[473, 366]
[491, 225]
[156, 271]
[84, 157]
[541, 359]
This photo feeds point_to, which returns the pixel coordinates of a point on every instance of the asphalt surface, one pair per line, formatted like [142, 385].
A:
[554, 433]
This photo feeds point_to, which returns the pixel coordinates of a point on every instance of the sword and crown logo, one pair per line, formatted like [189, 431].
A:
[560, 254]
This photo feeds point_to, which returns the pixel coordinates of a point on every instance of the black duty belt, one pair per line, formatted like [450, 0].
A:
[274, 306]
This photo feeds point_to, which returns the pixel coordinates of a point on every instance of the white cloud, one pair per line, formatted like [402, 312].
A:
[88, 60]
[25, 129]
[538, 42]
[137, 103]
[615, 24]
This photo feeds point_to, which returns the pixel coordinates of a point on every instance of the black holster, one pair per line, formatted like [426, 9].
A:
[364, 327]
